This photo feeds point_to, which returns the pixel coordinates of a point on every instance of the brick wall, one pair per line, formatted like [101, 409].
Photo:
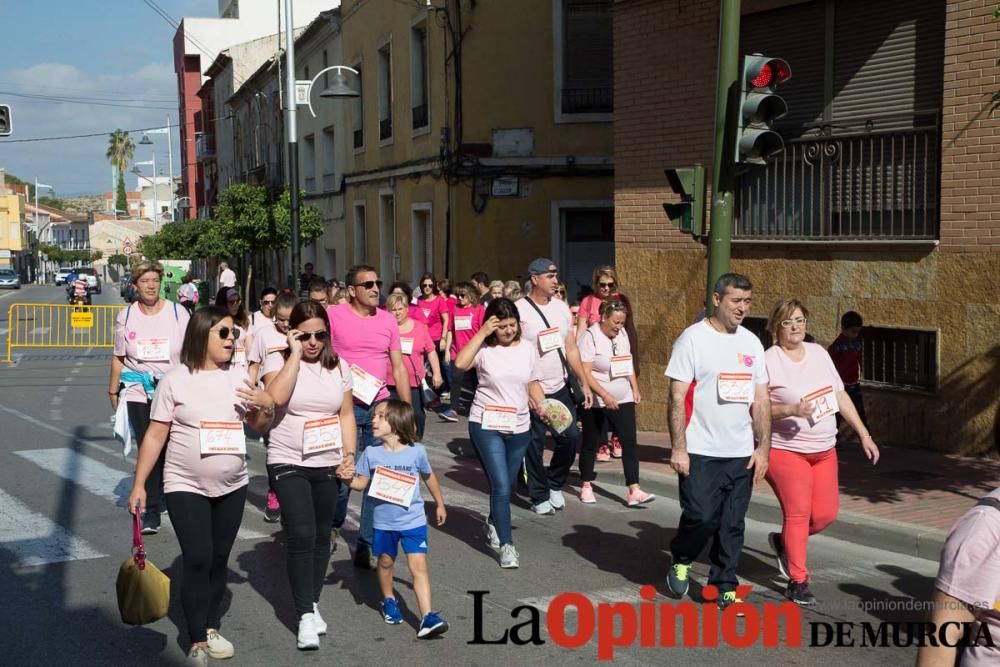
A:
[970, 147]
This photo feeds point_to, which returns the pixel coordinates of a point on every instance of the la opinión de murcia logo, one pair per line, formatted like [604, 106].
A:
[651, 624]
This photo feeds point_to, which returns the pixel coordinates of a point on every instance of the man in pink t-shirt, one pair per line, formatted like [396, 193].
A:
[367, 338]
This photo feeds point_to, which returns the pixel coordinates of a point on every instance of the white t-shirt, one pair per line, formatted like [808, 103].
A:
[149, 343]
[597, 349]
[227, 278]
[504, 374]
[258, 321]
[267, 340]
[718, 427]
[550, 367]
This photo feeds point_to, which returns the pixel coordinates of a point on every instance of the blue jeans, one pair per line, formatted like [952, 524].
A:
[540, 479]
[363, 416]
[501, 454]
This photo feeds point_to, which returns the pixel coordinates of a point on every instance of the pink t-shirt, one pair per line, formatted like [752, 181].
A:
[597, 349]
[266, 341]
[590, 307]
[460, 318]
[504, 374]
[419, 340]
[433, 309]
[970, 572]
[258, 322]
[552, 374]
[364, 341]
[789, 382]
[416, 314]
[185, 399]
[318, 393]
[135, 332]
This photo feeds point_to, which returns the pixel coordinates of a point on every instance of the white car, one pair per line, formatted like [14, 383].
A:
[9, 279]
[62, 274]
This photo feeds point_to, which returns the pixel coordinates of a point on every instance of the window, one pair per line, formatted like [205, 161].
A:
[422, 242]
[900, 358]
[418, 76]
[358, 112]
[587, 57]
[360, 235]
[385, 93]
[309, 162]
[387, 237]
[329, 158]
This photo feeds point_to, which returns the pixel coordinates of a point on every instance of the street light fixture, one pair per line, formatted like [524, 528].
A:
[39, 230]
[138, 172]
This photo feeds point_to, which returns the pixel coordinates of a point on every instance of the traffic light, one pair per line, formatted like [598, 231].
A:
[6, 121]
[689, 213]
[759, 107]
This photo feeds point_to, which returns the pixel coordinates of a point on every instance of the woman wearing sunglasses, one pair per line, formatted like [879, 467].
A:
[313, 441]
[197, 417]
[229, 299]
[435, 309]
[806, 393]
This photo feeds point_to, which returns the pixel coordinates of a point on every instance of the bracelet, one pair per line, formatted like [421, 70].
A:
[351, 454]
[867, 435]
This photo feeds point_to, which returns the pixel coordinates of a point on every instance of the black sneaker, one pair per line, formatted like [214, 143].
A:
[778, 547]
[150, 522]
[363, 557]
[727, 598]
[799, 593]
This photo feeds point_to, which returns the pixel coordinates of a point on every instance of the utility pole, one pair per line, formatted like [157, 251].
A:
[293, 146]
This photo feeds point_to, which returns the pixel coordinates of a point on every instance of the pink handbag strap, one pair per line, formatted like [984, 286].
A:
[139, 551]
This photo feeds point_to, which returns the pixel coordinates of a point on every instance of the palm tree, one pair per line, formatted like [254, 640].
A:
[121, 149]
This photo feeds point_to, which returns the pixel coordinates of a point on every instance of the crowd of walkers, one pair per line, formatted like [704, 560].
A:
[338, 380]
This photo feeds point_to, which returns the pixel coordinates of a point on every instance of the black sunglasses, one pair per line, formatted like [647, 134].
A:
[428, 285]
[368, 284]
[225, 331]
[320, 336]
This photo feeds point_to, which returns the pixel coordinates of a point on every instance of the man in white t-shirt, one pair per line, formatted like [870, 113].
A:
[712, 447]
[227, 277]
[547, 324]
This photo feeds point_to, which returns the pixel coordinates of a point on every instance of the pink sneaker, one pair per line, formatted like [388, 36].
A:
[603, 454]
[272, 510]
[587, 494]
[639, 497]
[616, 447]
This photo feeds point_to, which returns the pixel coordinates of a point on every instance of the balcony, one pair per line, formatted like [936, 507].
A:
[329, 182]
[385, 129]
[420, 118]
[204, 147]
[588, 100]
[864, 186]
[310, 184]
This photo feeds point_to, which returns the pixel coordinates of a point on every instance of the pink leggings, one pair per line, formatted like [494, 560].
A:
[806, 486]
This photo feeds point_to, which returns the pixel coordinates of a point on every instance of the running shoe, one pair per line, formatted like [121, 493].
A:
[390, 611]
[778, 547]
[432, 626]
[448, 415]
[321, 627]
[727, 599]
[150, 522]
[799, 593]
[587, 494]
[557, 499]
[308, 638]
[492, 538]
[272, 510]
[508, 557]
[677, 579]
[544, 508]
[616, 447]
[603, 454]
[638, 497]
[219, 648]
[197, 657]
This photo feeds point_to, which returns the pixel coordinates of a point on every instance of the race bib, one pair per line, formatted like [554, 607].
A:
[321, 435]
[366, 385]
[621, 366]
[736, 387]
[240, 356]
[550, 339]
[463, 323]
[222, 437]
[824, 404]
[153, 349]
[392, 486]
[406, 344]
[499, 418]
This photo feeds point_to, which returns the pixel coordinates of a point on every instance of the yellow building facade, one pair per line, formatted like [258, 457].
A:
[12, 235]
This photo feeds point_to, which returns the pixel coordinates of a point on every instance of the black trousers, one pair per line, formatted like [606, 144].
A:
[206, 529]
[540, 480]
[308, 498]
[622, 422]
[463, 389]
[138, 414]
[714, 500]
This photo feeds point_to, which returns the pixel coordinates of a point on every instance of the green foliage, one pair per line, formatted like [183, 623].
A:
[118, 260]
[121, 199]
[62, 256]
[245, 215]
[311, 223]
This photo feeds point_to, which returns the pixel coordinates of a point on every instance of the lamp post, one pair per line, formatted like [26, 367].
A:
[138, 172]
[38, 230]
[146, 141]
[341, 90]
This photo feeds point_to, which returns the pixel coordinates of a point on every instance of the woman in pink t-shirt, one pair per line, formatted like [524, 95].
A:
[313, 442]
[499, 421]
[806, 392]
[148, 338]
[417, 346]
[197, 416]
[466, 319]
[435, 308]
[608, 365]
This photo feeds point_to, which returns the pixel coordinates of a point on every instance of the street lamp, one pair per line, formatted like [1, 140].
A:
[146, 141]
[38, 230]
[138, 172]
[293, 147]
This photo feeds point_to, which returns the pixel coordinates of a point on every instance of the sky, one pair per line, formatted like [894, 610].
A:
[117, 52]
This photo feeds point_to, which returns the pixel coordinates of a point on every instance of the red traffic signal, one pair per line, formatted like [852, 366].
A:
[759, 107]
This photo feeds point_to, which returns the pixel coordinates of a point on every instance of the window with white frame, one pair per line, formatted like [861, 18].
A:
[328, 157]
[309, 162]
[420, 117]
[360, 234]
[358, 112]
[385, 92]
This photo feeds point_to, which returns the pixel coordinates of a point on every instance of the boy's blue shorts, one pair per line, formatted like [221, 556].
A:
[387, 541]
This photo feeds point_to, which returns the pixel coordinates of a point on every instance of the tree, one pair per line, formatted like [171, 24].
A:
[121, 150]
[311, 223]
[118, 260]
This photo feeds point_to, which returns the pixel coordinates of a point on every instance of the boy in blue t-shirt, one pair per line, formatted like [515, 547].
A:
[398, 509]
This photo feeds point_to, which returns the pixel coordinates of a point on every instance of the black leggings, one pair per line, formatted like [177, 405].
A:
[308, 498]
[138, 414]
[622, 421]
[206, 529]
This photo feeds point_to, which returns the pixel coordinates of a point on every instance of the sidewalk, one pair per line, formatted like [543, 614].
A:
[906, 504]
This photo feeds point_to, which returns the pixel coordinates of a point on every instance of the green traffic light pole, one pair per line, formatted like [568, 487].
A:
[723, 167]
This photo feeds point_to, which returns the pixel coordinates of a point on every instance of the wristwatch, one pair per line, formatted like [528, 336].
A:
[268, 411]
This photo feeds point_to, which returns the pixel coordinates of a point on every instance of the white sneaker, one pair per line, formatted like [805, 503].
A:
[544, 507]
[556, 499]
[492, 537]
[320, 623]
[308, 637]
[219, 648]
[197, 657]
[508, 557]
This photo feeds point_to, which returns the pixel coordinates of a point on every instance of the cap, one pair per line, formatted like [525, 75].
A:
[232, 293]
[540, 266]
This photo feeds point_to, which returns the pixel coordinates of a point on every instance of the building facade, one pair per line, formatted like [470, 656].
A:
[882, 202]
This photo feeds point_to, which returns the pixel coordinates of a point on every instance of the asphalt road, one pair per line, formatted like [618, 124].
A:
[64, 532]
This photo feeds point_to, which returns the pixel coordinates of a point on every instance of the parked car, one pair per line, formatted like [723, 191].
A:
[9, 279]
[93, 280]
[62, 274]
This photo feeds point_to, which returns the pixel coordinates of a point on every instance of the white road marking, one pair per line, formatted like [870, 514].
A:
[39, 331]
[34, 539]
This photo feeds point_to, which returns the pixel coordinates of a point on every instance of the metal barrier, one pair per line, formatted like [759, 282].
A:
[49, 325]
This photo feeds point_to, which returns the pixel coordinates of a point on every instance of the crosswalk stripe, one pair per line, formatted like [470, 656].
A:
[104, 481]
[34, 539]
